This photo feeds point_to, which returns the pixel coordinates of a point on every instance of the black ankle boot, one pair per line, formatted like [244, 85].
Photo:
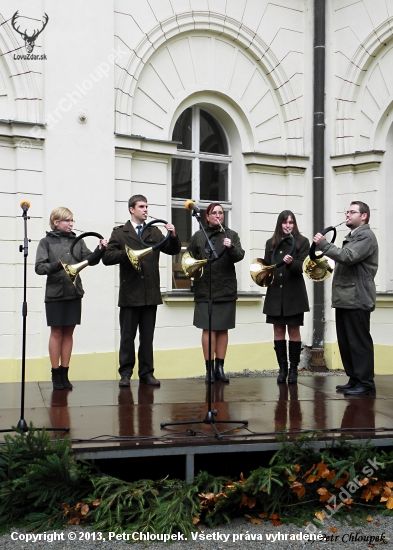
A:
[64, 378]
[294, 359]
[219, 371]
[280, 347]
[56, 379]
[210, 365]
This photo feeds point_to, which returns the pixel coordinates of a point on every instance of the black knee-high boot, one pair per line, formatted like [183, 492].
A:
[294, 359]
[219, 372]
[280, 347]
[210, 365]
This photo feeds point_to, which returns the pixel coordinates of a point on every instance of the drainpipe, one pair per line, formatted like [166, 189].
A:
[317, 361]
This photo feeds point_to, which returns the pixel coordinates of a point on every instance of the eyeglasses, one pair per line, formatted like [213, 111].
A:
[351, 212]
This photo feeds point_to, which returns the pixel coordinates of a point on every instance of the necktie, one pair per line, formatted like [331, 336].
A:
[139, 228]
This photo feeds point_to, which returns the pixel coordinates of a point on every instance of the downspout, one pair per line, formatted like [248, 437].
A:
[317, 361]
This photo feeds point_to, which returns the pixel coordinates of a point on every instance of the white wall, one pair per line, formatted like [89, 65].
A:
[249, 62]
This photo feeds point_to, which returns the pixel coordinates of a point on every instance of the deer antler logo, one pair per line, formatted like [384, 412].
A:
[29, 40]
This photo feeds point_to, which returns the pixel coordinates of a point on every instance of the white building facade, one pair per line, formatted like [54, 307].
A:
[174, 99]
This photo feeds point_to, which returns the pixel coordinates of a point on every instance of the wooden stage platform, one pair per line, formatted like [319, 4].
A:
[110, 422]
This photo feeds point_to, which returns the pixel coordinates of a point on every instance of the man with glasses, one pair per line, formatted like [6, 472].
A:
[354, 296]
[139, 292]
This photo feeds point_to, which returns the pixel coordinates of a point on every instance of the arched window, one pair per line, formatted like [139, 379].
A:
[201, 172]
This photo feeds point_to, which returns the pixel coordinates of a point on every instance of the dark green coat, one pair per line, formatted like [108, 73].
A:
[224, 284]
[138, 288]
[52, 248]
[357, 264]
[287, 294]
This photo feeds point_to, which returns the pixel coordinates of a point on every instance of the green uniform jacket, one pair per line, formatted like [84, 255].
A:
[52, 248]
[357, 264]
[224, 284]
[287, 295]
[138, 288]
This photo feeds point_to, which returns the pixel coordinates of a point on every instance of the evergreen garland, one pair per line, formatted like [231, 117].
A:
[36, 476]
[43, 486]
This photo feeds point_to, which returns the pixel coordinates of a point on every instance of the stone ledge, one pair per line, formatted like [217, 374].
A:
[384, 299]
[187, 296]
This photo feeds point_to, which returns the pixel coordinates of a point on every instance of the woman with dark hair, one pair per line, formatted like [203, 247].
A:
[224, 288]
[286, 298]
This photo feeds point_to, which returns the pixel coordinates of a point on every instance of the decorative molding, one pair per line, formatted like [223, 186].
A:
[358, 154]
[256, 162]
[359, 161]
[132, 136]
[23, 122]
[356, 73]
[384, 299]
[219, 26]
[139, 143]
[24, 83]
[183, 296]
[14, 140]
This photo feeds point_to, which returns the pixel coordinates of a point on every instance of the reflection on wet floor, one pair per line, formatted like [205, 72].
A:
[97, 408]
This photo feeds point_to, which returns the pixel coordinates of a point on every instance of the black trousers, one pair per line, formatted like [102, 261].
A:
[356, 345]
[131, 318]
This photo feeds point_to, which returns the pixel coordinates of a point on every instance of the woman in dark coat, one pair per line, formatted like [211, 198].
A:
[63, 299]
[286, 298]
[224, 288]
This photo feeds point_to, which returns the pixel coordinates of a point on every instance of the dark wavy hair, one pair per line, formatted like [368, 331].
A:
[278, 233]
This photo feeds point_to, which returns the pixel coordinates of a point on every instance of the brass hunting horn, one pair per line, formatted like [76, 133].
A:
[192, 268]
[136, 256]
[261, 272]
[317, 267]
[73, 270]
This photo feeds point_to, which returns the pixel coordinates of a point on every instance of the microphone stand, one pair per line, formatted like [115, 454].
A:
[22, 424]
[210, 415]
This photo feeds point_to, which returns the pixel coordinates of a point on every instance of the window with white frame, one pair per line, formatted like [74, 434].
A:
[201, 171]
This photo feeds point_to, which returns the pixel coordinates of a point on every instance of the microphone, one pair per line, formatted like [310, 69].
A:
[190, 205]
[25, 205]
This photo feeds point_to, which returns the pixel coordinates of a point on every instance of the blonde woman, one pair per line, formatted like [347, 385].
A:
[63, 299]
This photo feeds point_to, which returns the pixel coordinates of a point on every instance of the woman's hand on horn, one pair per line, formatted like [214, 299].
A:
[287, 259]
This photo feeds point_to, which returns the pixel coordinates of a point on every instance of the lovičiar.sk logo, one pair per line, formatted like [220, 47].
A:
[31, 37]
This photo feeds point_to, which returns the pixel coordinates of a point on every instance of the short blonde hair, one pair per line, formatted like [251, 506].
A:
[59, 214]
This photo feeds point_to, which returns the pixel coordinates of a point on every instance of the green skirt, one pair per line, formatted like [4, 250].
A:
[223, 315]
